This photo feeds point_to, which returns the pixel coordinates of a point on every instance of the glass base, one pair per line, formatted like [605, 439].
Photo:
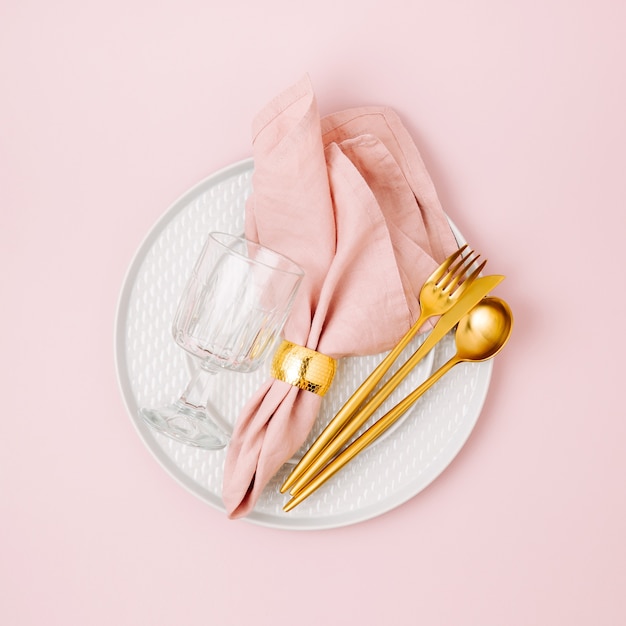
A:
[186, 424]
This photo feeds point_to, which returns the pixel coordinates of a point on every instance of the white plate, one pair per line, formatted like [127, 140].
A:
[152, 370]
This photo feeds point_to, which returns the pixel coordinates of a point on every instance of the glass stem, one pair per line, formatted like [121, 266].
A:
[196, 396]
[196, 391]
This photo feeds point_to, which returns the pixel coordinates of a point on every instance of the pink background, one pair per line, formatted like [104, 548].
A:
[109, 111]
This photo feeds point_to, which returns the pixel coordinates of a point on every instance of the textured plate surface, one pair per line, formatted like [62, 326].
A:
[152, 371]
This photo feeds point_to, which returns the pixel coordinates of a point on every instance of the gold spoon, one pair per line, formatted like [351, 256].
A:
[480, 335]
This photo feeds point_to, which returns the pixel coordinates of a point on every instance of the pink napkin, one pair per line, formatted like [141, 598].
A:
[349, 199]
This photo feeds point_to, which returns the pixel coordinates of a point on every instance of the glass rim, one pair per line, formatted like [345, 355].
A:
[296, 270]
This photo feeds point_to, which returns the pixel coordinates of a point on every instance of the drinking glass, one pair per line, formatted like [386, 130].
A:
[231, 312]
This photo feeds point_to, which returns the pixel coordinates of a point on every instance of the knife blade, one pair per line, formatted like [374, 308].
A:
[473, 295]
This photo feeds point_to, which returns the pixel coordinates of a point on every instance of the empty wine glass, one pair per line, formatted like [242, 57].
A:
[232, 310]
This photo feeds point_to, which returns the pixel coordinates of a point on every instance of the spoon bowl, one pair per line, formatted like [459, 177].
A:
[484, 331]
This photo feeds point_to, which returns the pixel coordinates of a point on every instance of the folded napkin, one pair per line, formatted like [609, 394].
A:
[349, 199]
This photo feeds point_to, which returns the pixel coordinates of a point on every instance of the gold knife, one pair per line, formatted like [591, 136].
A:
[481, 347]
[351, 422]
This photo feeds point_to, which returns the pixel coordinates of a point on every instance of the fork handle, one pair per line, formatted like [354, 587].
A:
[351, 406]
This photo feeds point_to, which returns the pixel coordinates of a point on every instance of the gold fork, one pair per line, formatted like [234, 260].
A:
[440, 292]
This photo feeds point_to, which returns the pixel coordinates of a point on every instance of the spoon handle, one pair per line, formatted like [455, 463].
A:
[369, 436]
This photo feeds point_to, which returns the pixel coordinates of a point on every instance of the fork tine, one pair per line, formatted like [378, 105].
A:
[460, 271]
[460, 267]
[455, 269]
[441, 270]
[471, 278]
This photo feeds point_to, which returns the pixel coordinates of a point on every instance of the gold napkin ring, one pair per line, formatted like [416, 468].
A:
[303, 367]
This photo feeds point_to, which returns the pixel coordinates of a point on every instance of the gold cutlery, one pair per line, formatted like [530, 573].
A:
[480, 335]
[479, 288]
[439, 293]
